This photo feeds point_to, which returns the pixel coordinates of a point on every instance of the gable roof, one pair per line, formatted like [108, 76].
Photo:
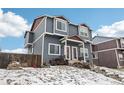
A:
[39, 18]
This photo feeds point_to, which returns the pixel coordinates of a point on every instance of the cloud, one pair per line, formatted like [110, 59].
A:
[18, 50]
[114, 30]
[12, 25]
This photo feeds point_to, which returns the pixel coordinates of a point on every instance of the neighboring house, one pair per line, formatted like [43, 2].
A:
[108, 51]
[55, 36]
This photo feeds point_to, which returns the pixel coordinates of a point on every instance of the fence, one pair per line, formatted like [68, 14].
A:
[24, 59]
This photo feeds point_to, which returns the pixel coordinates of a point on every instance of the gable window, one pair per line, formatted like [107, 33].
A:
[82, 52]
[54, 49]
[83, 31]
[61, 25]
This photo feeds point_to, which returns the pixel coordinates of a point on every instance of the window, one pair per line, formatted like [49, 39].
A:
[82, 52]
[95, 55]
[54, 49]
[122, 42]
[121, 56]
[83, 31]
[61, 25]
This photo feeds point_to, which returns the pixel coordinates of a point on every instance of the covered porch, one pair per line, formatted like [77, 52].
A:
[74, 48]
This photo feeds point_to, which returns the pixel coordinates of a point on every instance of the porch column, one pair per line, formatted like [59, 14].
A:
[65, 53]
[84, 52]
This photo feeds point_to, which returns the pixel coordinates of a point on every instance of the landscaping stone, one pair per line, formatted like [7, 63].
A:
[14, 65]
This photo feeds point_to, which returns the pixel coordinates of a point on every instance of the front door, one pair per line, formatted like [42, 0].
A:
[74, 53]
[68, 54]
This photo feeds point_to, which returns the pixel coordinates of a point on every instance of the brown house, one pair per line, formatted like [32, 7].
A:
[108, 51]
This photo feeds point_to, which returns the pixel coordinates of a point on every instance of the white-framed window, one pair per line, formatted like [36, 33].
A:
[83, 31]
[121, 57]
[122, 42]
[61, 25]
[95, 55]
[54, 49]
[82, 52]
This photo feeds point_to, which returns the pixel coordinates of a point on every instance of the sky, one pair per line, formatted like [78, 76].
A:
[15, 21]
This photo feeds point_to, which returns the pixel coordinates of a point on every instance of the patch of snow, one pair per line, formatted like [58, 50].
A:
[55, 75]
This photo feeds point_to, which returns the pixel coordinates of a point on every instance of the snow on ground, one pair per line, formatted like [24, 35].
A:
[55, 75]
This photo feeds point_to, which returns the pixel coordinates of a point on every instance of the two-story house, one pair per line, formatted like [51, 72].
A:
[108, 51]
[55, 36]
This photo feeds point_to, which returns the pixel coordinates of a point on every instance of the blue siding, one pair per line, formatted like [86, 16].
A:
[49, 26]
[50, 39]
[37, 46]
[73, 30]
[39, 30]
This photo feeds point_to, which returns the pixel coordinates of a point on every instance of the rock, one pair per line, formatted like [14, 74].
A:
[82, 65]
[121, 76]
[14, 66]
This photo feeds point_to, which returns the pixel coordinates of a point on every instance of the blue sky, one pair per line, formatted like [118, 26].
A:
[95, 18]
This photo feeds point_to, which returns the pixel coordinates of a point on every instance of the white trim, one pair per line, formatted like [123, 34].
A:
[72, 40]
[60, 20]
[117, 58]
[38, 38]
[42, 51]
[54, 45]
[65, 48]
[117, 43]
[102, 41]
[43, 42]
[27, 44]
[45, 23]
[73, 53]
[54, 21]
[108, 49]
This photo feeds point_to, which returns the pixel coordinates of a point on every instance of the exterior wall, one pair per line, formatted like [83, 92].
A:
[26, 38]
[29, 37]
[50, 39]
[36, 23]
[96, 61]
[121, 62]
[39, 30]
[49, 25]
[37, 46]
[108, 59]
[89, 51]
[106, 45]
[73, 30]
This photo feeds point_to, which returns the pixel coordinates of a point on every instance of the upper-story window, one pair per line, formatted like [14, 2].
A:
[83, 31]
[61, 25]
